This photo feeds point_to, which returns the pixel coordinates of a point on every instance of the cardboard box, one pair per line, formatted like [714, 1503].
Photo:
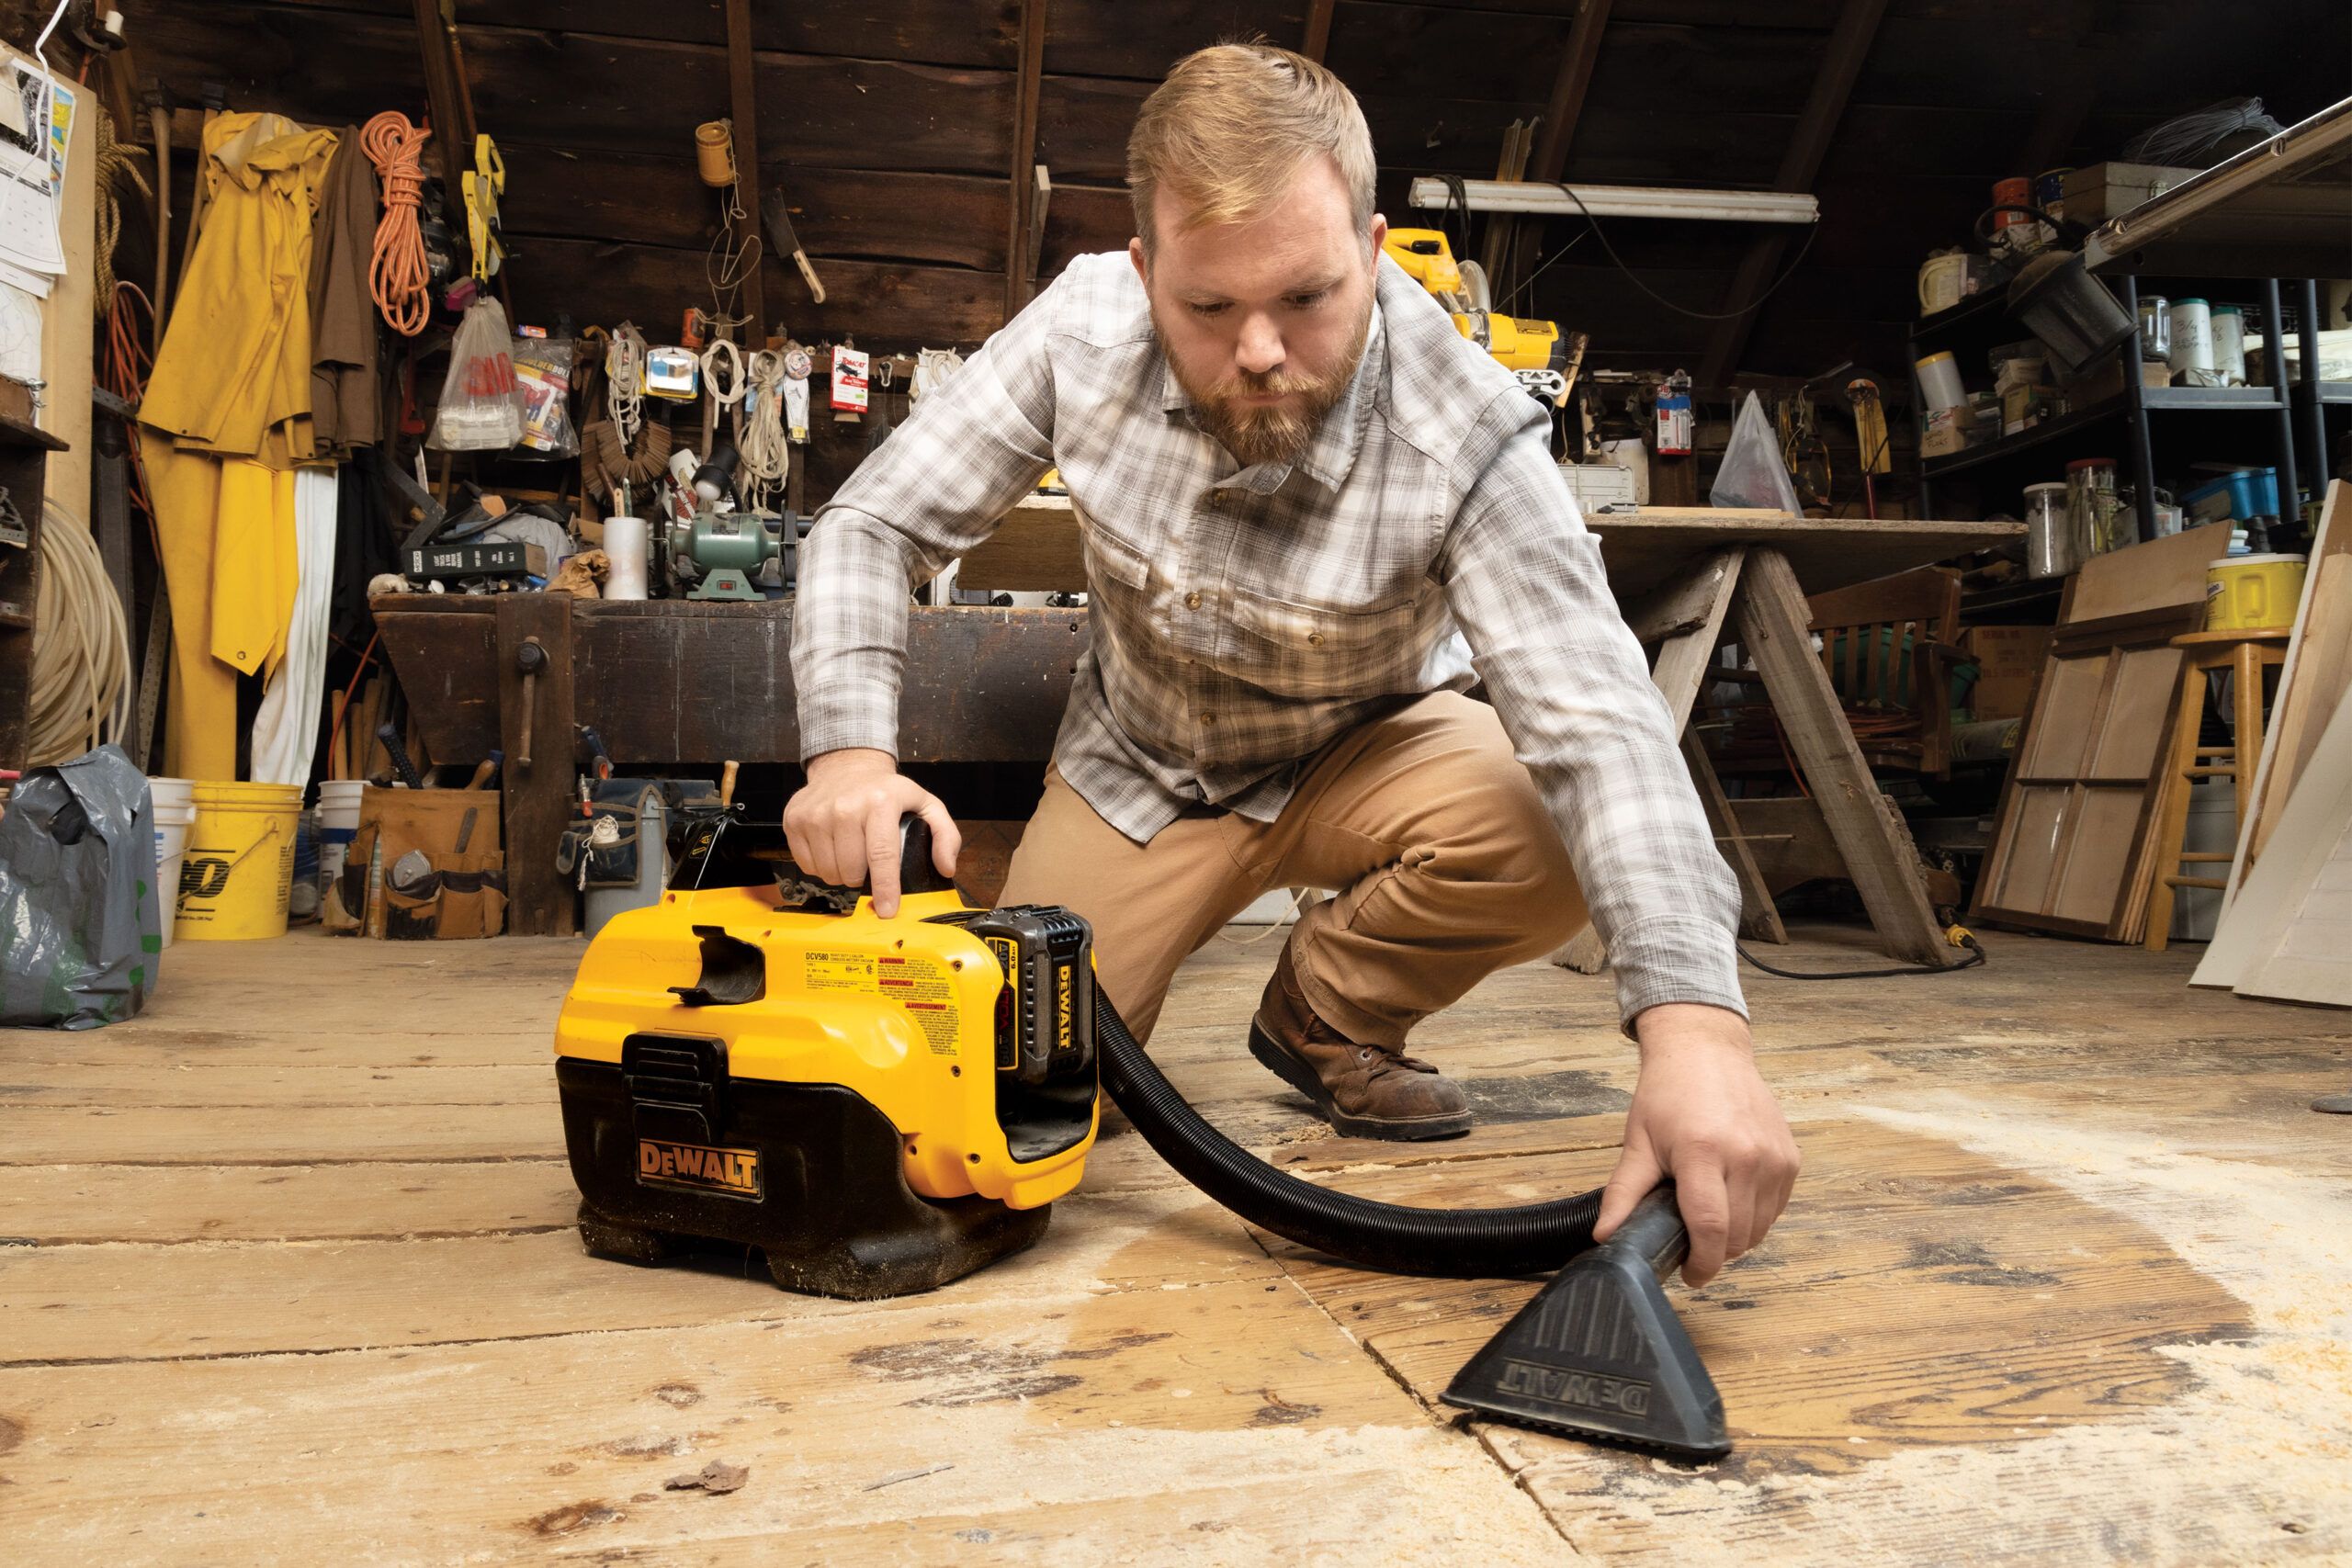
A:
[2007, 661]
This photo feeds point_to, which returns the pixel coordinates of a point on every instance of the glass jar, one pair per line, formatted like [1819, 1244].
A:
[2051, 547]
[2094, 515]
[2156, 329]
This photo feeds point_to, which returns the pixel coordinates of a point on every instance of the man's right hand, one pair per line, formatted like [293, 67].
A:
[842, 824]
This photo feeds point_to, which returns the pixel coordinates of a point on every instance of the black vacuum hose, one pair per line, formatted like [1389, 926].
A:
[1532, 1238]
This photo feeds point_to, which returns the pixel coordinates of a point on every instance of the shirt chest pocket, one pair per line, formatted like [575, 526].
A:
[1313, 651]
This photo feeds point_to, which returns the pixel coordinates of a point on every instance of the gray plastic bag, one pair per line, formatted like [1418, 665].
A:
[80, 925]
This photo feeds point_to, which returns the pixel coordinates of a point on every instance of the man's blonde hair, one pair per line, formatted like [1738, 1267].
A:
[1228, 128]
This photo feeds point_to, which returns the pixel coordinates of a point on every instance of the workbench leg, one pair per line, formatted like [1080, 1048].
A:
[1883, 864]
[537, 795]
[1758, 918]
[1690, 609]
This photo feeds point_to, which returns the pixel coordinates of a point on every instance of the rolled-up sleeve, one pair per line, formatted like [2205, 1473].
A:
[1524, 581]
[937, 488]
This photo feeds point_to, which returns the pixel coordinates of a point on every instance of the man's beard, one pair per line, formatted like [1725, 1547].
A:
[1268, 433]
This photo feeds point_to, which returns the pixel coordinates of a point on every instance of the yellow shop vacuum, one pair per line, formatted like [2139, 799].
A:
[879, 1107]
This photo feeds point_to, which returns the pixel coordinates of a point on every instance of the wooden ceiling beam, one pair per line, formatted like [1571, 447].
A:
[1566, 107]
[1319, 30]
[1849, 46]
[1021, 241]
[1562, 110]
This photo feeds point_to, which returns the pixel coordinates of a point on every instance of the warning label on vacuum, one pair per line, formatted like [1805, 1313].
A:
[665, 1164]
[921, 986]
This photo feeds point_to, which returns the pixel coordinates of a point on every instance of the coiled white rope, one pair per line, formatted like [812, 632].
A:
[761, 441]
[625, 380]
[81, 686]
[731, 363]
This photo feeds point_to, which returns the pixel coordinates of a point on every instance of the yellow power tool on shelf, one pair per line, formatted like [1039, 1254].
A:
[1537, 352]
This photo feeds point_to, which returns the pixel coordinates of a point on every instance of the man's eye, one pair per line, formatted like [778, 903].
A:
[1199, 309]
[1309, 302]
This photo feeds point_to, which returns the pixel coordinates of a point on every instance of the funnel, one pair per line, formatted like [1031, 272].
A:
[1599, 1354]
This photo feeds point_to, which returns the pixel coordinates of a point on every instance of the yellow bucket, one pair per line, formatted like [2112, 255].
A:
[239, 866]
[2253, 592]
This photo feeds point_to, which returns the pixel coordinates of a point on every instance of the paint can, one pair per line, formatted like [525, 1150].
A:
[2050, 194]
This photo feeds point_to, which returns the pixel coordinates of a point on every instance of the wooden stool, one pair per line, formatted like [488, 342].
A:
[2246, 654]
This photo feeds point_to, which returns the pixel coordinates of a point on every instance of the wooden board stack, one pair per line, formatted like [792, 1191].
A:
[2287, 924]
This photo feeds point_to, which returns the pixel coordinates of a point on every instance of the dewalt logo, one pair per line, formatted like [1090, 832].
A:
[732, 1171]
[1591, 1390]
[1061, 1006]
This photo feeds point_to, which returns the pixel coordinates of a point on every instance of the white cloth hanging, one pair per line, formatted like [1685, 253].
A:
[286, 730]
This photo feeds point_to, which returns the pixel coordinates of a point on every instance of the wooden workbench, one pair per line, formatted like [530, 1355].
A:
[681, 683]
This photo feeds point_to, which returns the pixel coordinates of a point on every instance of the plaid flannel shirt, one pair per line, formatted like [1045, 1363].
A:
[1244, 619]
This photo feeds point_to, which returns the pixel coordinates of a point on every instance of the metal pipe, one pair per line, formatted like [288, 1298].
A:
[2274, 339]
[2300, 147]
[1620, 202]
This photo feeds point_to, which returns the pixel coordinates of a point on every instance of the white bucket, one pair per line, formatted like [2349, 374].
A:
[338, 825]
[175, 807]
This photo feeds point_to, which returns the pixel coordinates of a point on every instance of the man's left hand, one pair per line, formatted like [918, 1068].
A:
[1702, 1114]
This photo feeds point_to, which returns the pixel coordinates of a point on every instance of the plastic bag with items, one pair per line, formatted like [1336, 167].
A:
[81, 937]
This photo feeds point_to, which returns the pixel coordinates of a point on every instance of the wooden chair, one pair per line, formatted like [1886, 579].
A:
[1888, 649]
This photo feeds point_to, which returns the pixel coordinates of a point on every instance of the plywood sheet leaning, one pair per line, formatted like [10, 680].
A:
[2293, 916]
[2070, 849]
[2318, 669]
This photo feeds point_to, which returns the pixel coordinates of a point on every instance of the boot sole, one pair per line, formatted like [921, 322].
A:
[1397, 1129]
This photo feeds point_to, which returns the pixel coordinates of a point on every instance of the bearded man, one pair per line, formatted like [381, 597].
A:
[1314, 517]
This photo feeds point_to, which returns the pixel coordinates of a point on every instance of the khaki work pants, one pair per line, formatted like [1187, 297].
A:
[1446, 864]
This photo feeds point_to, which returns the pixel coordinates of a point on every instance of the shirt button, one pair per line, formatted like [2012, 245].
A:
[1208, 718]
[1313, 640]
[1192, 600]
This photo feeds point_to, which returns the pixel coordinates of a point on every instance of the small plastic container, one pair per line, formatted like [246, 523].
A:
[2229, 345]
[1939, 384]
[2051, 547]
[2192, 342]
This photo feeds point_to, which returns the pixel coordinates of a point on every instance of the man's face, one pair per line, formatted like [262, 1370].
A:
[1264, 321]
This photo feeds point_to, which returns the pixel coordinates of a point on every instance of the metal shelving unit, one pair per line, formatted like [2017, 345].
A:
[1983, 320]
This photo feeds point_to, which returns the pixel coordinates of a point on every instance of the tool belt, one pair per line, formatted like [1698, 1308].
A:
[425, 863]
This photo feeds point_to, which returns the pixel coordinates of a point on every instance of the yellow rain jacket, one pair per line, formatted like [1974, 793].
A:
[228, 417]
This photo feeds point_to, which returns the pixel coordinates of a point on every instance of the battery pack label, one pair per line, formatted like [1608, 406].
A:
[661, 1163]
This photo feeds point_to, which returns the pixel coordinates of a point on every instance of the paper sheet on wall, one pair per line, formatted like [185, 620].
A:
[32, 171]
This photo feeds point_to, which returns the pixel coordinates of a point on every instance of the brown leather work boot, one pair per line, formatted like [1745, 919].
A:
[1363, 1091]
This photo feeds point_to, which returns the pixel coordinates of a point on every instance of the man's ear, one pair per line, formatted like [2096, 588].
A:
[1379, 234]
[1143, 264]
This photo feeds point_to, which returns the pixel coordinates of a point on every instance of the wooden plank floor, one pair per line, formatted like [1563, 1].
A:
[287, 1268]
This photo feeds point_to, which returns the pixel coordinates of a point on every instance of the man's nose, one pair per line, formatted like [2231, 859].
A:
[1259, 350]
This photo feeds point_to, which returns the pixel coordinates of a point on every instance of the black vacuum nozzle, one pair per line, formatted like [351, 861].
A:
[1599, 1355]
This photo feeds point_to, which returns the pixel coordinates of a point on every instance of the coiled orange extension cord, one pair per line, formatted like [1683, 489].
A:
[399, 275]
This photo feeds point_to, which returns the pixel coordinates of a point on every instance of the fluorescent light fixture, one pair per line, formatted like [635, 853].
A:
[1621, 201]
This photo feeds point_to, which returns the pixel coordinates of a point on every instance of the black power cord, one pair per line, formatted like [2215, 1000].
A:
[1976, 956]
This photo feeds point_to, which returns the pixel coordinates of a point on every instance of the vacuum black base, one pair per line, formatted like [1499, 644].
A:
[810, 1174]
